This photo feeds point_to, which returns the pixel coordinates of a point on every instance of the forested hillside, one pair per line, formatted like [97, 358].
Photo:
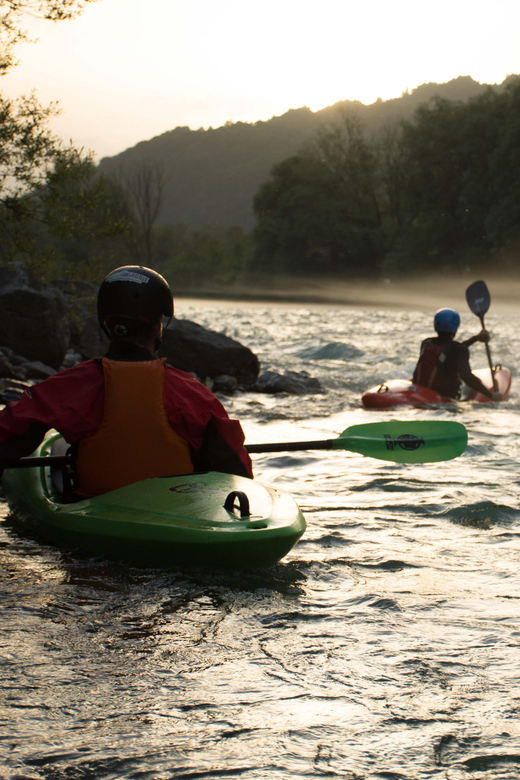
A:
[211, 176]
[428, 181]
[438, 192]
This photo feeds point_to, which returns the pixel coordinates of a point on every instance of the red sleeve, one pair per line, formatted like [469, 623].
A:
[191, 407]
[71, 401]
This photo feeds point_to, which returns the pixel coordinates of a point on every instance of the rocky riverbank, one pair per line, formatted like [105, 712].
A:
[46, 327]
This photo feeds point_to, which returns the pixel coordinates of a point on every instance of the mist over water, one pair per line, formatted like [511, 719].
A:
[421, 294]
[386, 645]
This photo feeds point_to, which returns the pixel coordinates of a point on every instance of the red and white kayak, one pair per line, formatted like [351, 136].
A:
[403, 392]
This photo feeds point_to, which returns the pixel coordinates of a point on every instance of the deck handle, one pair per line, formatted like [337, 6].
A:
[243, 502]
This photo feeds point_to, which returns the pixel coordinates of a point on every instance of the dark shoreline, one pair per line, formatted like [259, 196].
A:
[424, 294]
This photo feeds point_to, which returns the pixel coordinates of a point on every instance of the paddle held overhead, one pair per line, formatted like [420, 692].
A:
[479, 301]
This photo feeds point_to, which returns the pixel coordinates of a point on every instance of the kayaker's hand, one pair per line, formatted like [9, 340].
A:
[496, 396]
[484, 336]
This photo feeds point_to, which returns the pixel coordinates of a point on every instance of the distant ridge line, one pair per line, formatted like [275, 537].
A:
[212, 175]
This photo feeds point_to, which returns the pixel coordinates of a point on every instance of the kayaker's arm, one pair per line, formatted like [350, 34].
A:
[467, 376]
[216, 454]
[483, 336]
[23, 444]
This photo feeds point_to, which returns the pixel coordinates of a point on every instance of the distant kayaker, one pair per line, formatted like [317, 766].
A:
[128, 415]
[444, 363]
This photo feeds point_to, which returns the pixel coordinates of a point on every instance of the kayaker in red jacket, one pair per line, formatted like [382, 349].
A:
[128, 416]
[444, 363]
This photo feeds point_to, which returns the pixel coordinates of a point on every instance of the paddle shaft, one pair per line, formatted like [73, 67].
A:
[488, 353]
[288, 446]
[292, 446]
[62, 460]
[41, 460]
[402, 442]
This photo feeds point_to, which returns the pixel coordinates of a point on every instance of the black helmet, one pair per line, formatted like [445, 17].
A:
[133, 292]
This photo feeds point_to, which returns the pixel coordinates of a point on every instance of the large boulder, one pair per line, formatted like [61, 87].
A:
[56, 325]
[293, 382]
[86, 336]
[33, 317]
[192, 348]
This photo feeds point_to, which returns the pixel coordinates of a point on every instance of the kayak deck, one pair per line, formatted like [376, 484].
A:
[503, 383]
[208, 519]
[403, 392]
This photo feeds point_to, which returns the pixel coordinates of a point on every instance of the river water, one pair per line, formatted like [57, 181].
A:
[386, 645]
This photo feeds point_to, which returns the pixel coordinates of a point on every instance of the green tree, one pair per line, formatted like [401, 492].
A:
[51, 196]
[141, 186]
[502, 220]
[297, 211]
[80, 217]
[434, 168]
[461, 182]
[34, 164]
[392, 176]
[13, 14]
[351, 159]
[213, 254]
[319, 210]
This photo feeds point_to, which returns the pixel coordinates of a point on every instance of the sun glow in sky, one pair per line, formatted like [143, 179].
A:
[127, 70]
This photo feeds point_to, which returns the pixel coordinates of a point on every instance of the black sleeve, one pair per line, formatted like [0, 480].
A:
[21, 446]
[465, 373]
[216, 454]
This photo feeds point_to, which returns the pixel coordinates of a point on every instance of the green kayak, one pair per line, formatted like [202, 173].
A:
[209, 519]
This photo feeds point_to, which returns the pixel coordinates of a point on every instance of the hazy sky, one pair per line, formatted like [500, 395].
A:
[127, 70]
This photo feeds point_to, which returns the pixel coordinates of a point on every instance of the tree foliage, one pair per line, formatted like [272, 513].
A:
[56, 213]
[213, 175]
[50, 194]
[319, 212]
[462, 182]
[141, 189]
[14, 14]
[440, 190]
[212, 254]
[79, 220]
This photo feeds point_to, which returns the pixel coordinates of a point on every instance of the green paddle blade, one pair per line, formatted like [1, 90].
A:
[405, 442]
[402, 442]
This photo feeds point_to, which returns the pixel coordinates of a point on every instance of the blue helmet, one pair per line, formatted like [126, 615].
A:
[446, 321]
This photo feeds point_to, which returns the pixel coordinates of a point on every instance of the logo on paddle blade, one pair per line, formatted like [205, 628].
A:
[406, 442]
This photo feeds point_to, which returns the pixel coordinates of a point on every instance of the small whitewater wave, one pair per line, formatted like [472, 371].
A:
[483, 514]
[334, 350]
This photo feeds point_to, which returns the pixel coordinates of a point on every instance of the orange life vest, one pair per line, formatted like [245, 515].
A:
[135, 440]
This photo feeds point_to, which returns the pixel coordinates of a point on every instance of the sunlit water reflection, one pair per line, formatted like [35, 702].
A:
[386, 645]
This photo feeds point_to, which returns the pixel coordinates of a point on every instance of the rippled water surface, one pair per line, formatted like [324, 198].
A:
[386, 645]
